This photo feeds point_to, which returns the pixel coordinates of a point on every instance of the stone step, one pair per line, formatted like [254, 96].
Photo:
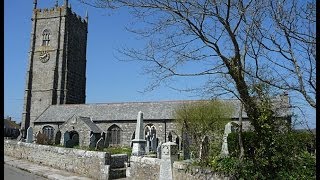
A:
[117, 173]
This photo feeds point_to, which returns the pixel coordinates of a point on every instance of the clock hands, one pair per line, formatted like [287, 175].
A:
[44, 56]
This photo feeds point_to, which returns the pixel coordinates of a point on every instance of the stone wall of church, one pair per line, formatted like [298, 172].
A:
[88, 163]
[128, 128]
[38, 127]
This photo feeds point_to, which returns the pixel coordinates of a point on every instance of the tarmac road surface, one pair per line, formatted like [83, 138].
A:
[21, 169]
[13, 173]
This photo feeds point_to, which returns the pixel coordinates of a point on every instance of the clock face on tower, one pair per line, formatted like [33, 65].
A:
[44, 56]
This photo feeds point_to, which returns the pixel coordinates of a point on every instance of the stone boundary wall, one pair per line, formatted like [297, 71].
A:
[88, 163]
[183, 170]
[143, 168]
[149, 168]
[118, 160]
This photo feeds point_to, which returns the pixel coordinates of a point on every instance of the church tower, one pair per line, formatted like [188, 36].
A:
[56, 72]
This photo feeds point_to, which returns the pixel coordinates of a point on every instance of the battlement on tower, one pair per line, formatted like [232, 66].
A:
[55, 12]
[78, 17]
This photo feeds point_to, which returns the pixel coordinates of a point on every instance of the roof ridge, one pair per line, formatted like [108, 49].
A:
[136, 102]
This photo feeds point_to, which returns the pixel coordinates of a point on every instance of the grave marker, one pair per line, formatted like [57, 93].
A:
[139, 143]
[169, 154]
[29, 135]
[204, 148]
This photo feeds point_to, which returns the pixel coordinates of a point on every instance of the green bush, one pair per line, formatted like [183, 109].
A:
[227, 165]
[291, 141]
[248, 143]
[204, 118]
[304, 140]
[287, 158]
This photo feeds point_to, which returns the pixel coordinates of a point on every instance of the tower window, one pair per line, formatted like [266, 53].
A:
[45, 37]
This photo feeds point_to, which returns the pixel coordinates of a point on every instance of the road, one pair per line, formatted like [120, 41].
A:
[12, 173]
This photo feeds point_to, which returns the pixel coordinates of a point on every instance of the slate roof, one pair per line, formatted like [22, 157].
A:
[93, 127]
[128, 110]
[10, 124]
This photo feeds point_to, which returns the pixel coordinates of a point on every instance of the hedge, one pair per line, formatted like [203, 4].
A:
[299, 141]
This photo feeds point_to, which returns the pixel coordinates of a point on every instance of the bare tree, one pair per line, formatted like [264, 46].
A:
[289, 47]
[225, 40]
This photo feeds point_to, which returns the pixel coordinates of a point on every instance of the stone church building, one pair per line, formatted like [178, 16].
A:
[54, 100]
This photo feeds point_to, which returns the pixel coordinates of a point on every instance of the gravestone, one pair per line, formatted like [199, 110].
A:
[106, 141]
[170, 137]
[66, 138]
[178, 142]
[227, 131]
[186, 145]
[169, 154]
[92, 141]
[153, 141]
[159, 150]
[100, 143]
[29, 135]
[204, 148]
[139, 143]
[58, 137]
[147, 144]
[69, 143]
[75, 139]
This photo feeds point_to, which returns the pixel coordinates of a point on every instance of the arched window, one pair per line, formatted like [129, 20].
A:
[151, 137]
[150, 130]
[114, 134]
[45, 37]
[48, 131]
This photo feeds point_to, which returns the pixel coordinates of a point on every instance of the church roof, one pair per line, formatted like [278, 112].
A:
[92, 126]
[161, 110]
[7, 123]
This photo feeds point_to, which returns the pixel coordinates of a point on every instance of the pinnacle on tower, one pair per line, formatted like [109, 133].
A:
[87, 17]
[56, 3]
[34, 4]
[66, 3]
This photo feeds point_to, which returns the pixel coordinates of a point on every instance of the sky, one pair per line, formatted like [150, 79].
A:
[108, 79]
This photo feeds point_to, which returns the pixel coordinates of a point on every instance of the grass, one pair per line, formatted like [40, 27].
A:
[112, 150]
[119, 150]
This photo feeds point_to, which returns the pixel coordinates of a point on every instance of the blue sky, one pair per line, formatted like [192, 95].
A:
[108, 80]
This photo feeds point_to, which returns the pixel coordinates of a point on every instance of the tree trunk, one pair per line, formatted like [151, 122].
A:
[240, 134]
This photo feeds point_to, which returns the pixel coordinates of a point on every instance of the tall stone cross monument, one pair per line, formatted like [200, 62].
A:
[139, 143]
